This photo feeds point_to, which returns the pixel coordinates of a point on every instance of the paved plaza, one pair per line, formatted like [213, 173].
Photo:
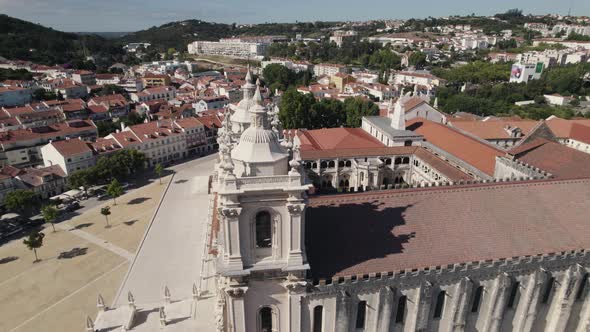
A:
[83, 258]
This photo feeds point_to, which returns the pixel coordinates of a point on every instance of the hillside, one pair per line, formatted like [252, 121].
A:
[28, 41]
[179, 34]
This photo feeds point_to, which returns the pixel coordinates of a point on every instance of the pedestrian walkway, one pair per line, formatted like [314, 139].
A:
[96, 240]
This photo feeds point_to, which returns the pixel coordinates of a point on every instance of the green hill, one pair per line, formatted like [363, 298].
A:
[28, 41]
[179, 34]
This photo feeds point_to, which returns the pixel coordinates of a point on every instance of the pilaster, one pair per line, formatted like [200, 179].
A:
[232, 252]
[561, 305]
[497, 303]
[584, 323]
[343, 309]
[527, 314]
[236, 309]
[296, 256]
[386, 303]
[423, 310]
[460, 304]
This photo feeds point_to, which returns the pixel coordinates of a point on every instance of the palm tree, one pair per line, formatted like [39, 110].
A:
[159, 169]
[49, 213]
[33, 242]
[106, 211]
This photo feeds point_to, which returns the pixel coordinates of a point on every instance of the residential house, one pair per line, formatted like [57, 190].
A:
[70, 154]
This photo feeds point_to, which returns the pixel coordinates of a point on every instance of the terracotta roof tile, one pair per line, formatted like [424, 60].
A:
[71, 147]
[405, 229]
[559, 160]
[477, 154]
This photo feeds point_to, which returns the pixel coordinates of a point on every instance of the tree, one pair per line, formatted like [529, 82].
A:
[81, 179]
[159, 169]
[106, 211]
[417, 59]
[114, 190]
[21, 200]
[50, 213]
[34, 241]
[356, 108]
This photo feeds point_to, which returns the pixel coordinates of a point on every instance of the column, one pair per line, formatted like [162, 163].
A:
[295, 245]
[563, 299]
[236, 308]
[423, 310]
[527, 312]
[460, 304]
[343, 308]
[231, 224]
[497, 303]
[386, 303]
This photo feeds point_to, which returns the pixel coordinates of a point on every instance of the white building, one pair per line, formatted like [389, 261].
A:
[423, 78]
[522, 73]
[235, 48]
[568, 29]
[162, 92]
[339, 37]
[296, 66]
[71, 155]
[329, 69]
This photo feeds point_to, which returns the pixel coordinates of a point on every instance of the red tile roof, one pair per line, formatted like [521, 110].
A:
[71, 147]
[337, 138]
[48, 132]
[405, 229]
[580, 133]
[474, 152]
[493, 129]
[559, 160]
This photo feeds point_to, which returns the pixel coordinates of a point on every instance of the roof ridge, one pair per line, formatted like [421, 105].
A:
[496, 184]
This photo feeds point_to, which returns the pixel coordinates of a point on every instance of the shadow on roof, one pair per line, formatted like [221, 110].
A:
[340, 237]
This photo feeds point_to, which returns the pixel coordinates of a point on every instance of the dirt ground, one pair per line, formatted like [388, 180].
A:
[79, 261]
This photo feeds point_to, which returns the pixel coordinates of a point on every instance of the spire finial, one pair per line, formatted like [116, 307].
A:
[248, 75]
[257, 95]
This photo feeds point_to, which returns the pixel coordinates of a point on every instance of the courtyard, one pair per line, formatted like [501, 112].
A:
[79, 261]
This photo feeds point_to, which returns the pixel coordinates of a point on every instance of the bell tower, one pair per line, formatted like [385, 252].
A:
[261, 201]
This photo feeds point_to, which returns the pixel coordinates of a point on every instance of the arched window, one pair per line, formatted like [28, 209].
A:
[398, 161]
[318, 313]
[265, 319]
[323, 164]
[388, 161]
[400, 314]
[440, 304]
[314, 165]
[340, 163]
[263, 230]
[361, 312]
[331, 164]
[348, 163]
[476, 299]
[406, 160]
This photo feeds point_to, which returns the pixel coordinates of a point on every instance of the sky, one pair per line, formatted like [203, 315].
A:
[133, 15]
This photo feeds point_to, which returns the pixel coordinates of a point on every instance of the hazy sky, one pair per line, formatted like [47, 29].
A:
[131, 15]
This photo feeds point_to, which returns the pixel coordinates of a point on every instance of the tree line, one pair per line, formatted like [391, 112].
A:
[299, 110]
[488, 98]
